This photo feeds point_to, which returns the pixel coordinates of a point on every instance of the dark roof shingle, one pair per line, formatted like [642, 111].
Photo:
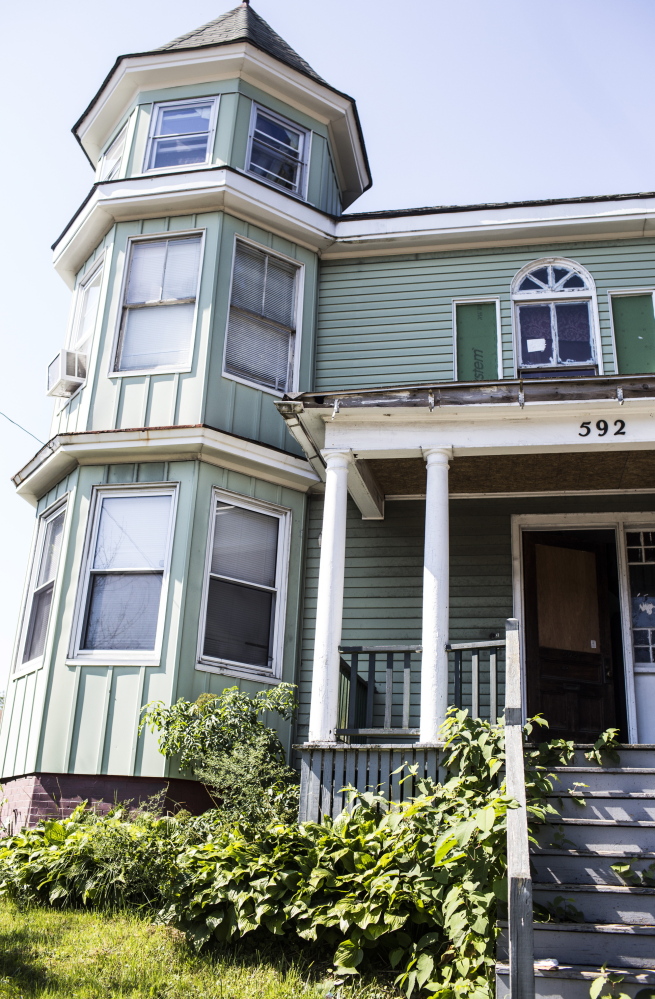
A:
[243, 24]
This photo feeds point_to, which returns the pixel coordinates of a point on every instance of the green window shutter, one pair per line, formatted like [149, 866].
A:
[634, 333]
[477, 342]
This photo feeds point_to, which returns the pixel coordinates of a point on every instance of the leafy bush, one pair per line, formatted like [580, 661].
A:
[221, 739]
[415, 885]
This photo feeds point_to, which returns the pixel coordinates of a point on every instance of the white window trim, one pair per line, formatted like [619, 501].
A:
[575, 294]
[19, 668]
[120, 171]
[211, 134]
[624, 293]
[127, 259]
[298, 316]
[227, 667]
[619, 523]
[98, 265]
[116, 657]
[306, 135]
[499, 332]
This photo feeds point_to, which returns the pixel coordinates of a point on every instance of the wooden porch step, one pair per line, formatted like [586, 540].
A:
[623, 945]
[615, 836]
[599, 903]
[609, 805]
[572, 981]
[560, 866]
[605, 779]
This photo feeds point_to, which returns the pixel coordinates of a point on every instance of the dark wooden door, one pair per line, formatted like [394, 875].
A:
[569, 668]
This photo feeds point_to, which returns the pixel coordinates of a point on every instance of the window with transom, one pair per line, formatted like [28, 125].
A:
[554, 319]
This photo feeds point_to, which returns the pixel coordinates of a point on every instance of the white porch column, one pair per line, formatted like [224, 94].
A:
[434, 664]
[324, 708]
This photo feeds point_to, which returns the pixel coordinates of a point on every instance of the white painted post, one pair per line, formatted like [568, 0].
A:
[434, 664]
[324, 709]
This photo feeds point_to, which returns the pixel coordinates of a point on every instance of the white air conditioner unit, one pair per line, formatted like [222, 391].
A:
[66, 373]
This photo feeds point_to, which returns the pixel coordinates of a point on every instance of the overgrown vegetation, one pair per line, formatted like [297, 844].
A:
[223, 741]
[412, 888]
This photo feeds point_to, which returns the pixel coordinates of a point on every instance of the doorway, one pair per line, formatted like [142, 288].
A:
[573, 642]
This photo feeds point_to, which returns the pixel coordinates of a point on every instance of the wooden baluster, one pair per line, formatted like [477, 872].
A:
[370, 691]
[407, 687]
[388, 691]
[493, 685]
[458, 678]
[475, 684]
[352, 690]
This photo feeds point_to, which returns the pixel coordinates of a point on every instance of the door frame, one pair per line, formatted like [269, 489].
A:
[617, 522]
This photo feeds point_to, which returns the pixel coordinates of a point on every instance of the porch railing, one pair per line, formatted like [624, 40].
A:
[477, 680]
[366, 714]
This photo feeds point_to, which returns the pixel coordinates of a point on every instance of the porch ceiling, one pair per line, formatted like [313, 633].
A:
[522, 473]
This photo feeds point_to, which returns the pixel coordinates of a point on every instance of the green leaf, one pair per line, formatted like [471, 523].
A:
[54, 832]
[395, 956]
[349, 954]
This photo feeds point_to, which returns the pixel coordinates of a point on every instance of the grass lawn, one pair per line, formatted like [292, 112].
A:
[89, 955]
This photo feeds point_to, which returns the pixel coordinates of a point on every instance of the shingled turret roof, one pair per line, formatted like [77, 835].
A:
[243, 24]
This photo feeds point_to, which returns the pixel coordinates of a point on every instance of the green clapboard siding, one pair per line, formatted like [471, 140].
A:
[477, 341]
[634, 332]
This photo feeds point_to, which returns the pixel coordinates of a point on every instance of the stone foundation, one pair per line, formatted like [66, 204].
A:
[31, 798]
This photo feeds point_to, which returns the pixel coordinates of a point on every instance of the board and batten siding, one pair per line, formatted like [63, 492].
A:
[388, 320]
[85, 718]
[202, 394]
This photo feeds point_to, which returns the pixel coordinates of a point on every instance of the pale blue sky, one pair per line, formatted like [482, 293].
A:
[462, 102]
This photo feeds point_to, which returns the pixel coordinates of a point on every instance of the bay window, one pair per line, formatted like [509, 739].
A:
[42, 583]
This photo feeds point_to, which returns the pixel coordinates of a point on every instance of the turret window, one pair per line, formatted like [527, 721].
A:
[181, 134]
[51, 530]
[160, 304]
[554, 303]
[261, 342]
[112, 159]
[277, 151]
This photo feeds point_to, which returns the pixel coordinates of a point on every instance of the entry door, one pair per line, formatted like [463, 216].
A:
[569, 668]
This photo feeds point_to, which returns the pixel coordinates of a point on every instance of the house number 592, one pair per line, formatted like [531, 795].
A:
[602, 427]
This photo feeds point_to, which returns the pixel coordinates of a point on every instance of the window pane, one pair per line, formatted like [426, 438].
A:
[133, 532]
[559, 273]
[279, 298]
[536, 334]
[276, 134]
[51, 549]
[258, 350]
[88, 309]
[541, 274]
[245, 545]
[185, 119]
[573, 331]
[38, 624]
[123, 612]
[273, 166]
[575, 281]
[157, 336]
[179, 151]
[642, 597]
[181, 273]
[238, 623]
[248, 279]
[527, 284]
[112, 158]
[146, 272]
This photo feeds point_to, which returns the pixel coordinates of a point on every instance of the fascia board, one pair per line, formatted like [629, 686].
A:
[497, 227]
[65, 452]
[152, 71]
[216, 189]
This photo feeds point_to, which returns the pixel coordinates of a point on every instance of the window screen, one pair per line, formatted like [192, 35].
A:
[276, 151]
[41, 596]
[242, 590]
[160, 302]
[127, 568]
[261, 328]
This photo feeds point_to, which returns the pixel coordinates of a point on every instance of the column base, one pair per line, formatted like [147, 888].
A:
[32, 798]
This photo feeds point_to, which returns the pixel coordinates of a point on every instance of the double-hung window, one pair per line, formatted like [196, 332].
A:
[555, 320]
[244, 598]
[160, 304]
[261, 334]
[277, 151]
[112, 159]
[181, 134]
[127, 565]
[42, 584]
[86, 313]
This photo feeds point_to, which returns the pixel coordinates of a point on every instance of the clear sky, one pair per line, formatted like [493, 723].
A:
[465, 102]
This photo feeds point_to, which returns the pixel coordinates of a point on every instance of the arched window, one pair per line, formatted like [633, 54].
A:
[554, 314]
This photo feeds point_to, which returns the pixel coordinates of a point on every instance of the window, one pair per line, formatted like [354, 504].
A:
[160, 303]
[641, 568]
[554, 318]
[112, 159]
[277, 150]
[260, 341]
[243, 594]
[50, 536]
[181, 133]
[86, 312]
[127, 564]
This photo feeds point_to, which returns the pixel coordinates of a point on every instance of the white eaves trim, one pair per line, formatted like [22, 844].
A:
[184, 67]
[186, 193]
[66, 451]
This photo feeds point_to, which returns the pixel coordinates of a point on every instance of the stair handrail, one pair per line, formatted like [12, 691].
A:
[519, 880]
